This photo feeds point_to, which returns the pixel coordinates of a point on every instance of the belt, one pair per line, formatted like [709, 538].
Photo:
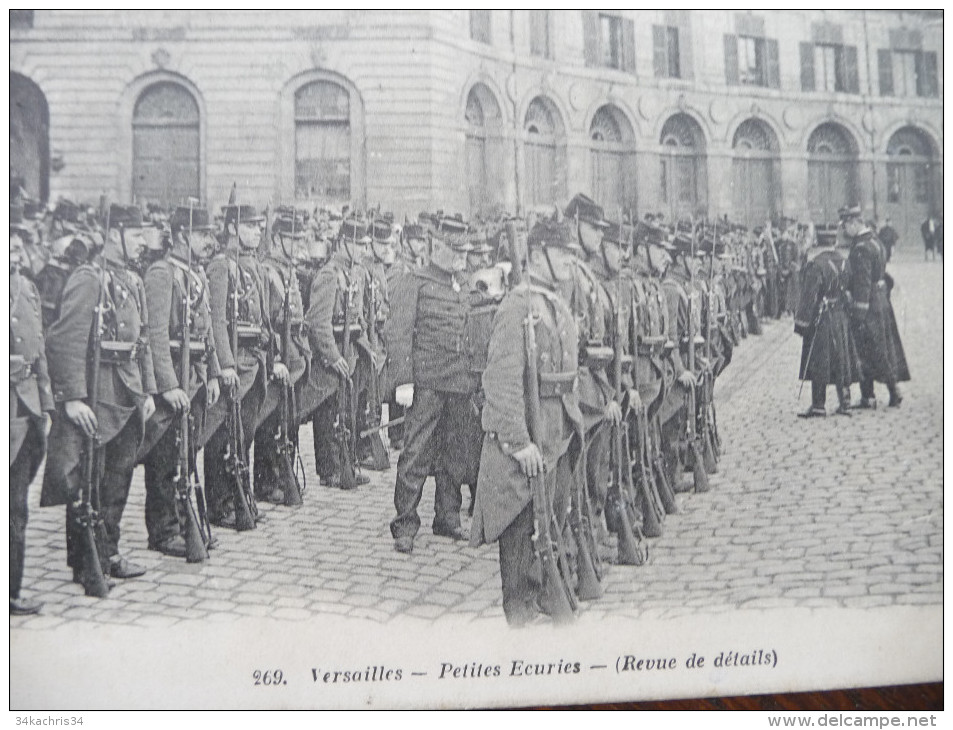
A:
[197, 348]
[651, 345]
[251, 335]
[596, 356]
[355, 329]
[555, 385]
[118, 352]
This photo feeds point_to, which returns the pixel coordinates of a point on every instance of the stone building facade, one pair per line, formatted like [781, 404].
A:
[750, 114]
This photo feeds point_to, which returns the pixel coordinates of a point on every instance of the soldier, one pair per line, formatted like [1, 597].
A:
[828, 356]
[339, 293]
[592, 307]
[432, 378]
[30, 401]
[169, 281]
[290, 350]
[238, 305]
[871, 315]
[511, 453]
[126, 386]
[888, 236]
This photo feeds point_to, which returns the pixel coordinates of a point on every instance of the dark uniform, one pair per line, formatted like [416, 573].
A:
[425, 335]
[504, 501]
[126, 379]
[872, 319]
[30, 400]
[828, 356]
[169, 281]
[227, 279]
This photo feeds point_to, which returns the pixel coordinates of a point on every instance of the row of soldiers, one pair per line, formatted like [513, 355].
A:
[150, 339]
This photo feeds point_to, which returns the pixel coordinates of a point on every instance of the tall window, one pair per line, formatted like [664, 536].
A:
[751, 61]
[539, 41]
[683, 179]
[829, 67]
[667, 57]
[908, 73]
[484, 152]
[612, 152]
[322, 114]
[165, 145]
[545, 155]
[608, 41]
[480, 26]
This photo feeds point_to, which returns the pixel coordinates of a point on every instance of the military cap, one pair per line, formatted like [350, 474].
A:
[412, 230]
[684, 243]
[586, 210]
[200, 220]
[616, 234]
[354, 229]
[826, 235]
[479, 243]
[453, 231]
[67, 211]
[241, 214]
[290, 221]
[554, 233]
[848, 212]
[156, 237]
[125, 216]
[382, 230]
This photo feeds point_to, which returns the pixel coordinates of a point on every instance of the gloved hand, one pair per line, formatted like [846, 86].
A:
[404, 395]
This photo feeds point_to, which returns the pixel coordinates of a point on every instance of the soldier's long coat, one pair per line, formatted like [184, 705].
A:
[503, 489]
[828, 355]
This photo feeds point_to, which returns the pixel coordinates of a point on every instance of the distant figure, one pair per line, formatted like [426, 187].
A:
[938, 237]
[928, 231]
[888, 237]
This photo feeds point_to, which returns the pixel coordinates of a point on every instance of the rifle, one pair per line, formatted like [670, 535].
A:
[90, 521]
[557, 597]
[243, 498]
[287, 446]
[699, 474]
[708, 437]
[372, 413]
[195, 541]
[345, 443]
[631, 548]
[653, 507]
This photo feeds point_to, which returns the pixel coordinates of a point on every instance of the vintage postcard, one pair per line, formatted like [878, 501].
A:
[473, 358]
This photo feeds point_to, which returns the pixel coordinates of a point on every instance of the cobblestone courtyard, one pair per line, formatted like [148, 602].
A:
[831, 512]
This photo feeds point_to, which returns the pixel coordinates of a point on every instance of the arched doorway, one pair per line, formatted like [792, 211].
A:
[911, 182]
[29, 137]
[683, 184]
[484, 152]
[756, 185]
[544, 143]
[831, 171]
[165, 145]
[612, 152]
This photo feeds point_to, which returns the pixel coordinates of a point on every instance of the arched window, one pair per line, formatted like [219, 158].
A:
[756, 174]
[484, 152]
[912, 180]
[683, 181]
[322, 114]
[832, 171]
[29, 137]
[544, 141]
[612, 152]
[165, 145]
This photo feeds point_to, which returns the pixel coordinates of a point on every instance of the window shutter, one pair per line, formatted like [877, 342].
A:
[731, 60]
[659, 55]
[885, 67]
[931, 82]
[773, 64]
[807, 67]
[685, 52]
[851, 76]
[628, 45]
[590, 37]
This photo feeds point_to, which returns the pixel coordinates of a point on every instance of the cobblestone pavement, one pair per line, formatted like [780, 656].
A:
[830, 512]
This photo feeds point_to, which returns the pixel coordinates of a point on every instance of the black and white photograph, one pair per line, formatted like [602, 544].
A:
[459, 359]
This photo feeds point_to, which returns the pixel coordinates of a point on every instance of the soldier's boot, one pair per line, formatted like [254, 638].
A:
[895, 398]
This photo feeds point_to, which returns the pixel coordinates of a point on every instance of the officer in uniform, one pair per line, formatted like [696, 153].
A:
[341, 284]
[432, 379]
[126, 386]
[170, 284]
[828, 356]
[290, 349]
[31, 399]
[235, 283]
[504, 510]
[872, 319]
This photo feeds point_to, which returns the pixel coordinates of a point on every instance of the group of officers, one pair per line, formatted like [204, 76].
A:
[561, 366]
